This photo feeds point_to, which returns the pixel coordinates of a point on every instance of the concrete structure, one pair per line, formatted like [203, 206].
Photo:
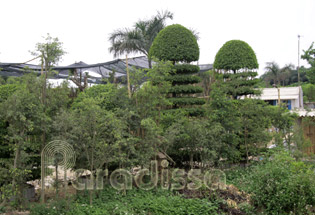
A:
[291, 96]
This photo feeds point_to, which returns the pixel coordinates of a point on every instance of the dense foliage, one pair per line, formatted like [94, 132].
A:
[278, 185]
[308, 92]
[309, 56]
[175, 43]
[112, 126]
[135, 202]
[237, 60]
[235, 55]
[140, 38]
[282, 76]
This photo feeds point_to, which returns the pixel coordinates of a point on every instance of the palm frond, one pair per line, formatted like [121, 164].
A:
[139, 39]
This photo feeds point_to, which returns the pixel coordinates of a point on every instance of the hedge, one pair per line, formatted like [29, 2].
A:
[187, 101]
[175, 43]
[186, 69]
[186, 89]
[235, 55]
[183, 79]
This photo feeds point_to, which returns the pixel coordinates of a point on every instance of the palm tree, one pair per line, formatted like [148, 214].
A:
[273, 70]
[277, 74]
[140, 38]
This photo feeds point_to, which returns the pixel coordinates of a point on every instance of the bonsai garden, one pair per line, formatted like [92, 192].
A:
[167, 138]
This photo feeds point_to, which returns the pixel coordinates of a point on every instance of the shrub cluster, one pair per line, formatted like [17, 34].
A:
[186, 89]
[187, 101]
[186, 69]
[278, 185]
[111, 202]
[283, 186]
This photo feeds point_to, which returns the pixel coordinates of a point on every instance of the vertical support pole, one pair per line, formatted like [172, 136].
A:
[298, 68]
[128, 78]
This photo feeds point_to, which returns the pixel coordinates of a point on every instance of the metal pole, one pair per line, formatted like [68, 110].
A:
[298, 68]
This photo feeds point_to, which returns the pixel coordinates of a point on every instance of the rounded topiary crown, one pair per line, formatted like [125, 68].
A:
[175, 43]
[235, 55]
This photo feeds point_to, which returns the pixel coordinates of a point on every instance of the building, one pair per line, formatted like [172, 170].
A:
[291, 96]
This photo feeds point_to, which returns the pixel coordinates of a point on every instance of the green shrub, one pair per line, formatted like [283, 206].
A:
[186, 89]
[309, 92]
[175, 43]
[112, 202]
[183, 79]
[106, 95]
[283, 185]
[186, 69]
[243, 75]
[7, 90]
[187, 101]
[54, 208]
[194, 111]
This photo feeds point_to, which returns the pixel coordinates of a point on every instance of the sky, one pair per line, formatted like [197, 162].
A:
[270, 27]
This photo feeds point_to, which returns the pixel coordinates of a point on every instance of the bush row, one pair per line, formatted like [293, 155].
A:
[183, 79]
[187, 101]
[186, 69]
[186, 89]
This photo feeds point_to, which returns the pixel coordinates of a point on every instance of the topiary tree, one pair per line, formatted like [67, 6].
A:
[175, 43]
[235, 55]
[237, 61]
[178, 44]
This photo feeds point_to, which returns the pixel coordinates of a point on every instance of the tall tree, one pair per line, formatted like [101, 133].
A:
[98, 136]
[238, 63]
[50, 50]
[22, 111]
[254, 125]
[224, 111]
[140, 38]
[178, 44]
[309, 56]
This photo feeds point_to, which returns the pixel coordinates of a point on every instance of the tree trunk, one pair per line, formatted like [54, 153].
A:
[191, 160]
[57, 182]
[16, 163]
[246, 146]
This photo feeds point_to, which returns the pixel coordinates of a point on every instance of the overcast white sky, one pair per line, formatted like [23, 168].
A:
[270, 27]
